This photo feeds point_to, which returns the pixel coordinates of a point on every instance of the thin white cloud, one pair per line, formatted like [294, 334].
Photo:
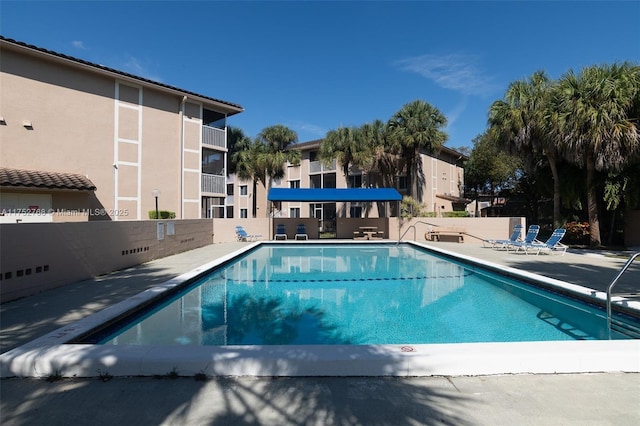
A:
[303, 128]
[78, 45]
[454, 71]
[455, 113]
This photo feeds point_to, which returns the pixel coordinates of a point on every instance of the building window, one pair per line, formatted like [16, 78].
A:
[329, 180]
[355, 211]
[243, 213]
[402, 182]
[294, 212]
[212, 162]
[214, 119]
[230, 189]
[243, 190]
[315, 181]
[355, 181]
[313, 155]
[230, 212]
[294, 183]
[213, 207]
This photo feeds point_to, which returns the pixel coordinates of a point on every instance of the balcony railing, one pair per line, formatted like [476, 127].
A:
[212, 136]
[318, 167]
[213, 184]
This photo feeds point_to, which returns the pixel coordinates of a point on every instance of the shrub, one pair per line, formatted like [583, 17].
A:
[164, 214]
[577, 232]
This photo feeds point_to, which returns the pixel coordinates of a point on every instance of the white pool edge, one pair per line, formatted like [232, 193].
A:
[48, 355]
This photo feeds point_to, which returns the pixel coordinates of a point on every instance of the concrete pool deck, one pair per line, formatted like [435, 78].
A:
[602, 398]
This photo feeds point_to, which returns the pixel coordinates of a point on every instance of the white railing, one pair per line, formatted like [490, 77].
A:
[213, 184]
[212, 136]
[318, 166]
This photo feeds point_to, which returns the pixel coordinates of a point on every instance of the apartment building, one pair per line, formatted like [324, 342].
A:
[81, 141]
[443, 174]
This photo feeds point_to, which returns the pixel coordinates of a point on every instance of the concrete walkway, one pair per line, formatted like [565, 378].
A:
[571, 399]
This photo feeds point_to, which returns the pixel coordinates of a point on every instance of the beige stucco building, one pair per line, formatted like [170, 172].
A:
[443, 179]
[80, 141]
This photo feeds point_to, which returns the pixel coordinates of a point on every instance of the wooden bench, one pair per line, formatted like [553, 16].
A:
[437, 233]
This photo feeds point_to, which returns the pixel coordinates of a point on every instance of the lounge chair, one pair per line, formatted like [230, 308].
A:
[553, 243]
[281, 233]
[301, 232]
[242, 235]
[530, 238]
[515, 236]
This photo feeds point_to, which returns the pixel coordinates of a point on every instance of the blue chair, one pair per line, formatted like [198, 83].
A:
[301, 232]
[242, 235]
[530, 238]
[281, 232]
[515, 236]
[553, 243]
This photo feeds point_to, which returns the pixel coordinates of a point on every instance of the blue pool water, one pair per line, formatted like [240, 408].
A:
[357, 294]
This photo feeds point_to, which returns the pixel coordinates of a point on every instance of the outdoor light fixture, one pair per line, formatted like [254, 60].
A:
[156, 194]
[27, 124]
[3, 121]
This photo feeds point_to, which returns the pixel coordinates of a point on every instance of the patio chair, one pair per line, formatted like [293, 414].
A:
[281, 232]
[553, 243]
[515, 236]
[530, 238]
[301, 232]
[242, 235]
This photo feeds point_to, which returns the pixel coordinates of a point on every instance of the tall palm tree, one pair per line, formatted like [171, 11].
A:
[237, 142]
[342, 145]
[276, 143]
[521, 121]
[597, 126]
[416, 127]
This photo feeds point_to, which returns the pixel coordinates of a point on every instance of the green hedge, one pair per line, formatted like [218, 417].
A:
[164, 214]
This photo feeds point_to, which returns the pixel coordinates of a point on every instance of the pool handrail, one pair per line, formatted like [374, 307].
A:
[610, 289]
[430, 224]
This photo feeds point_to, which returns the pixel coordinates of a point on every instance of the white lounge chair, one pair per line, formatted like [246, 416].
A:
[552, 244]
[301, 232]
[242, 235]
[281, 232]
[516, 235]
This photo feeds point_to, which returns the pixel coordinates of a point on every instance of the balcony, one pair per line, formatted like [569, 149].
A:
[212, 136]
[213, 184]
[319, 167]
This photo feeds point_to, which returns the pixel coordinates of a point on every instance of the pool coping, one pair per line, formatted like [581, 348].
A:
[50, 355]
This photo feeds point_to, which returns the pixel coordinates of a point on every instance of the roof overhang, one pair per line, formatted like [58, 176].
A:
[327, 195]
[36, 179]
[453, 198]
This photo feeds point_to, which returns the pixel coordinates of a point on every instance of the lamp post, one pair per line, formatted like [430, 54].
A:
[156, 194]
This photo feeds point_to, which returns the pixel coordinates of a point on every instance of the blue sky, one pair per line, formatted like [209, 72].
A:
[314, 66]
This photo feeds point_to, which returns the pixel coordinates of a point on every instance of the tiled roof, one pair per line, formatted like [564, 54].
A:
[237, 107]
[47, 180]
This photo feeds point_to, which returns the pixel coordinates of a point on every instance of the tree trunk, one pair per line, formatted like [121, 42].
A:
[556, 190]
[592, 203]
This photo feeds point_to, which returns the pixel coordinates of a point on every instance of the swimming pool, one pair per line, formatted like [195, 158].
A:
[56, 353]
[349, 294]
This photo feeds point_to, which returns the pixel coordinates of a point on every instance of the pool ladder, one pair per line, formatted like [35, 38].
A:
[613, 324]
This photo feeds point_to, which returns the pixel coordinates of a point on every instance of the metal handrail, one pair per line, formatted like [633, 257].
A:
[613, 283]
[414, 230]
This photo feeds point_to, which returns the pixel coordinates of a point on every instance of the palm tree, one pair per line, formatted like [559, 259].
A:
[596, 124]
[237, 142]
[521, 121]
[342, 145]
[264, 158]
[416, 127]
[276, 142]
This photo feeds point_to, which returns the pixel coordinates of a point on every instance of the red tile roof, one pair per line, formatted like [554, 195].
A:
[40, 179]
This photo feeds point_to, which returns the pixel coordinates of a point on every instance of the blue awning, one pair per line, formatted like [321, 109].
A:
[319, 195]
